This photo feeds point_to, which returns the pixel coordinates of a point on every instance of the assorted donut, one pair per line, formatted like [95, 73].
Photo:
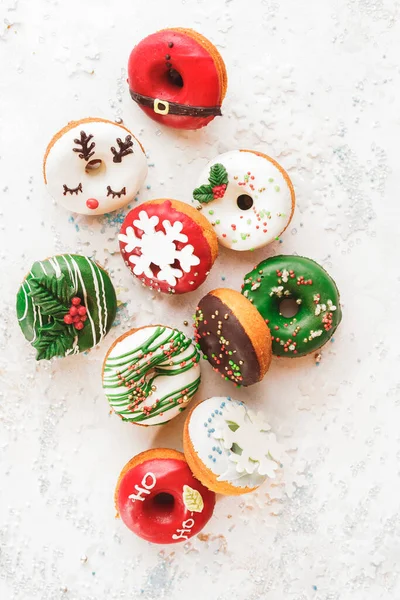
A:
[310, 296]
[168, 245]
[233, 336]
[159, 499]
[94, 166]
[65, 305]
[150, 374]
[247, 197]
[178, 78]
[289, 306]
[230, 448]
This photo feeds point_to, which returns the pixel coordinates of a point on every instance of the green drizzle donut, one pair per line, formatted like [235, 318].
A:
[150, 374]
[318, 303]
[65, 305]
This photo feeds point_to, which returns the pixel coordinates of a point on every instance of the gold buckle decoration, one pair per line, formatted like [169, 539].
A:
[158, 110]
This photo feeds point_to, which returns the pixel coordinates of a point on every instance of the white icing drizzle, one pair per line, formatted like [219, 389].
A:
[26, 304]
[72, 273]
[234, 442]
[54, 263]
[85, 302]
[100, 274]
[63, 166]
[272, 201]
[97, 291]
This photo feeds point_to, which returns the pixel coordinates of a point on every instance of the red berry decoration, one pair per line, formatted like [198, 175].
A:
[216, 186]
[219, 191]
[76, 314]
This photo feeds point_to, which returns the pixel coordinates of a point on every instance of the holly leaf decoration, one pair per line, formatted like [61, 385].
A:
[54, 339]
[51, 294]
[203, 194]
[192, 499]
[218, 175]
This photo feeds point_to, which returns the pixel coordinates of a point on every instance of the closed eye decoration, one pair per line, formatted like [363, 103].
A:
[71, 191]
[111, 192]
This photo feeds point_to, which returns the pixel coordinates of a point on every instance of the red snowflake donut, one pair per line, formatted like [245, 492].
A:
[158, 498]
[178, 78]
[168, 245]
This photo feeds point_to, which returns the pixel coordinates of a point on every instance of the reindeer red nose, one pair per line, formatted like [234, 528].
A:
[92, 203]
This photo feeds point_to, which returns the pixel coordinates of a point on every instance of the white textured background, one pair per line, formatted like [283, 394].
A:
[316, 85]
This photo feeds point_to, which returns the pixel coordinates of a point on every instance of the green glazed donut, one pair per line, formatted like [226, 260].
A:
[65, 305]
[294, 277]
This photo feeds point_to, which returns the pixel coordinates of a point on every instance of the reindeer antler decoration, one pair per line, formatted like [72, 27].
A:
[85, 151]
[124, 149]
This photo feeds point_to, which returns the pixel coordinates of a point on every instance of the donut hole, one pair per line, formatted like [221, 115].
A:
[244, 201]
[288, 308]
[94, 167]
[160, 507]
[175, 78]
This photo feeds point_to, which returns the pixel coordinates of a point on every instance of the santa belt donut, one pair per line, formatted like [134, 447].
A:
[163, 107]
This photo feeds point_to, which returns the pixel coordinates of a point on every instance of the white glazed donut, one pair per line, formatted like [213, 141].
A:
[94, 166]
[229, 447]
[248, 198]
[151, 374]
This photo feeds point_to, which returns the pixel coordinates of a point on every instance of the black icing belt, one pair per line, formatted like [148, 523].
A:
[163, 107]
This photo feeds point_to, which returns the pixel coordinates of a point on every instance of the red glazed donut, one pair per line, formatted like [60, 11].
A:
[178, 78]
[169, 245]
[158, 498]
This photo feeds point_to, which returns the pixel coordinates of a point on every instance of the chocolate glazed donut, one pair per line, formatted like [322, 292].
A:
[233, 337]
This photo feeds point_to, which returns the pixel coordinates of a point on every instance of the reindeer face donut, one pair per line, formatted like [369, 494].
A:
[230, 448]
[178, 78]
[158, 498]
[168, 245]
[94, 166]
[151, 374]
[248, 198]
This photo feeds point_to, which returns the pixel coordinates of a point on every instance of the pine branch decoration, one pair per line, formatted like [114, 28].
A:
[218, 182]
[52, 295]
[54, 339]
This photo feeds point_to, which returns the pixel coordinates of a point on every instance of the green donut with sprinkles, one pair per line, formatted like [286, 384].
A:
[316, 310]
[65, 305]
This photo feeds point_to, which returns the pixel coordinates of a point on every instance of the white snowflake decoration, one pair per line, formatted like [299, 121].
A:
[158, 248]
[260, 452]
